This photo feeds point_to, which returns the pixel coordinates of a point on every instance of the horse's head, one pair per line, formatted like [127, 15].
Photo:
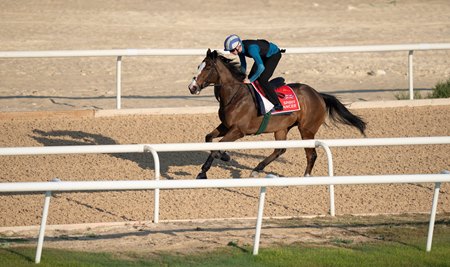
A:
[207, 73]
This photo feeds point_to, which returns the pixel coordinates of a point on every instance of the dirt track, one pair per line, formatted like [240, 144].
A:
[208, 203]
[89, 83]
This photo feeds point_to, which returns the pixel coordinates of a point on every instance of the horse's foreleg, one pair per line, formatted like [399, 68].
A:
[220, 130]
[279, 135]
[231, 135]
[206, 166]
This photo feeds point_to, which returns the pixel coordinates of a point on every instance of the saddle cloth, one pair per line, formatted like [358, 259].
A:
[285, 94]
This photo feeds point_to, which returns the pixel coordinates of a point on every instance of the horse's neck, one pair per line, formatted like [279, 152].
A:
[233, 97]
[230, 86]
[232, 93]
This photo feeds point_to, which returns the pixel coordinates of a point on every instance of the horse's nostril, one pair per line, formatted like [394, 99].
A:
[193, 88]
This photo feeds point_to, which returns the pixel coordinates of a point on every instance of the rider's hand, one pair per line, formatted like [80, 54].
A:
[246, 80]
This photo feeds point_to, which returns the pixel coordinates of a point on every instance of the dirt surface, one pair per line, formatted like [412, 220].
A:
[187, 237]
[88, 83]
[134, 209]
[216, 203]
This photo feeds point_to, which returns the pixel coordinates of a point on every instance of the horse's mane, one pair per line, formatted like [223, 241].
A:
[233, 67]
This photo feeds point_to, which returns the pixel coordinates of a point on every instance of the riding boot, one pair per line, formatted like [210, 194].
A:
[278, 107]
[272, 97]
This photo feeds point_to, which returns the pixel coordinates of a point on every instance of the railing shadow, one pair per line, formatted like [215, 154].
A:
[19, 254]
[144, 160]
[349, 230]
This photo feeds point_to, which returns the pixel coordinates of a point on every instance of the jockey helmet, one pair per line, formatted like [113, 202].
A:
[231, 42]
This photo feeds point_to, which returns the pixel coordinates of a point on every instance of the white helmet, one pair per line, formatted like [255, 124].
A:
[231, 42]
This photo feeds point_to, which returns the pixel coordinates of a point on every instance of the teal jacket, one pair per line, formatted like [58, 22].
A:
[256, 49]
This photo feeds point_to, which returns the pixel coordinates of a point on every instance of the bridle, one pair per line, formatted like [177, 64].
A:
[205, 83]
[217, 86]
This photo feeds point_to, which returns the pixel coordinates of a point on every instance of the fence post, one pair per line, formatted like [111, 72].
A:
[40, 244]
[118, 81]
[157, 176]
[410, 74]
[433, 212]
[433, 215]
[262, 196]
[330, 174]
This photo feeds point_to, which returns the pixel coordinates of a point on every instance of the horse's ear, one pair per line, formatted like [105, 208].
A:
[214, 54]
[208, 53]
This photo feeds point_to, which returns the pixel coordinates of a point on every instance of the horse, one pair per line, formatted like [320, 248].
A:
[239, 115]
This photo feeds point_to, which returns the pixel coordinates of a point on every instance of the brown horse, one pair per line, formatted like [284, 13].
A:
[239, 115]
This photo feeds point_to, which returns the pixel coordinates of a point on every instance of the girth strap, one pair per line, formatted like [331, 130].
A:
[264, 123]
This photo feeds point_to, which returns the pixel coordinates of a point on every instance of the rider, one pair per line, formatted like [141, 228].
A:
[266, 56]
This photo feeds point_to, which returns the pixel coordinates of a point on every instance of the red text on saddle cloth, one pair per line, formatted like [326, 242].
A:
[286, 96]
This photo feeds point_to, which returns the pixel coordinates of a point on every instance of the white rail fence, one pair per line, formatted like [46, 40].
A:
[155, 148]
[52, 187]
[119, 53]
[49, 187]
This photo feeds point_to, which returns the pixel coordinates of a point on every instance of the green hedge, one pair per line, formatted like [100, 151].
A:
[441, 90]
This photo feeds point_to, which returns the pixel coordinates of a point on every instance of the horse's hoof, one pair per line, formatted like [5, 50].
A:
[225, 156]
[255, 174]
[201, 176]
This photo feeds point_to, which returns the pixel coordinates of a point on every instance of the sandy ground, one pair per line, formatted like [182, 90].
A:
[85, 83]
[89, 83]
[137, 206]
[220, 203]
[188, 237]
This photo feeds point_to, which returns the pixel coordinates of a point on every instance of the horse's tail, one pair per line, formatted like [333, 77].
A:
[339, 113]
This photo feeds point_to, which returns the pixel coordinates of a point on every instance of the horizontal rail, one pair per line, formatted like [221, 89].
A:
[58, 186]
[176, 147]
[195, 52]
[368, 48]
[119, 53]
[102, 53]
[218, 183]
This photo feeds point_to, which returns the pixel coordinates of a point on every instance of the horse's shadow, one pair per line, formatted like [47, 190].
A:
[144, 160]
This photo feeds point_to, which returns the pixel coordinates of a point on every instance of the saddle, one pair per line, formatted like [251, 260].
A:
[285, 94]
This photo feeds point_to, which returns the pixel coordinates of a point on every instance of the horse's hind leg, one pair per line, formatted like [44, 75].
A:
[279, 135]
[311, 154]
